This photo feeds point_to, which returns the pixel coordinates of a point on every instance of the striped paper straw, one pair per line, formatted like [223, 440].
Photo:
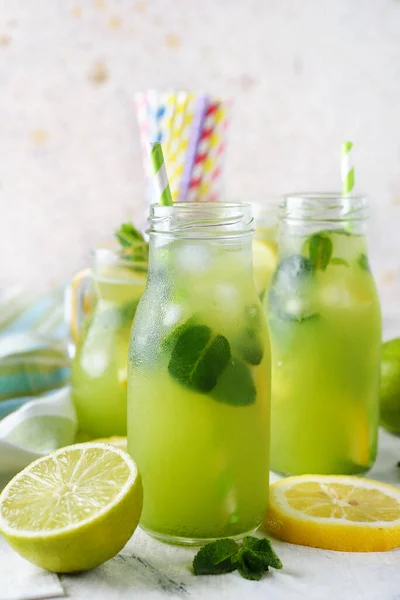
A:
[155, 115]
[174, 139]
[160, 179]
[210, 185]
[202, 150]
[175, 159]
[347, 169]
[196, 128]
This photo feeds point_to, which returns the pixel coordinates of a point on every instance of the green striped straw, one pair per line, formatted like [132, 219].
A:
[160, 179]
[347, 169]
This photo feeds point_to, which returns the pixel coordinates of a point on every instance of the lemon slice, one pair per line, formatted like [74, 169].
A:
[264, 263]
[73, 509]
[350, 514]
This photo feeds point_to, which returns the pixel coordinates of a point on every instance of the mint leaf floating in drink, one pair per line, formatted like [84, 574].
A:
[235, 386]
[170, 340]
[248, 340]
[199, 357]
[363, 262]
[320, 250]
[252, 558]
[215, 558]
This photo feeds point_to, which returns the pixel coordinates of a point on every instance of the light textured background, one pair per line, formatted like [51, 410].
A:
[305, 74]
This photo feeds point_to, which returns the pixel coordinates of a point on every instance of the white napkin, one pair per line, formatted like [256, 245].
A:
[19, 580]
[37, 428]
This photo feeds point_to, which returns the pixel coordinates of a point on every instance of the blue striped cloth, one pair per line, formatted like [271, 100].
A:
[36, 412]
[33, 348]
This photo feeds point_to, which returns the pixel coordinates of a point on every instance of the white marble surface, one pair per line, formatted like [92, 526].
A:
[304, 74]
[150, 570]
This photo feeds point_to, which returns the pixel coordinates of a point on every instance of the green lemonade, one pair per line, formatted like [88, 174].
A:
[199, 388]
[99, 368]
[325, 324]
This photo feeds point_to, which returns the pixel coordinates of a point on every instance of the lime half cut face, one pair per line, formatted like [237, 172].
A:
[73, 509]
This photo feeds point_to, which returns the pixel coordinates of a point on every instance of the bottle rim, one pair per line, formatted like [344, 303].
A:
[202, 220]
[324, 206]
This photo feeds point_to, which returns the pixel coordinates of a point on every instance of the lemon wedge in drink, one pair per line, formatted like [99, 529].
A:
[350, 514]
[264, 263]
[73, 509]
[115, 440]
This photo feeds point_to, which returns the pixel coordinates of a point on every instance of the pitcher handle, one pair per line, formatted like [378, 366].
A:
[79, 302]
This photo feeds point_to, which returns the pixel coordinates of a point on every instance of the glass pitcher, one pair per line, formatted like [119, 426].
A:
[99, 367]
[199, 377]
[325, 325]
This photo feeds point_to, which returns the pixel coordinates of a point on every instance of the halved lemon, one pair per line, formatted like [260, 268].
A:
[350, 514]
[73, 509]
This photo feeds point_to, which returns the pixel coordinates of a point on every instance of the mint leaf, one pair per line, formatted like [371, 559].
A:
[134, 246]
[320, 249]
[255, 557]
[170, 340]
[127, 234]
[252, 559]
[262, 549]
[199, 357]
[248, 569]
[215, 558]
[248, 341]
[339, 261]
[235, 385]
[364, 263]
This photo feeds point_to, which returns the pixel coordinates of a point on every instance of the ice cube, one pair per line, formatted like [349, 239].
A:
[173, 314]
[195, 258]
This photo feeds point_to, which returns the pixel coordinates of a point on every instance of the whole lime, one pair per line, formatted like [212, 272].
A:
[390, 386]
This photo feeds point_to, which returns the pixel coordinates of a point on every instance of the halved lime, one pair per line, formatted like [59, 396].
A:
[73, 509]
[390, 386]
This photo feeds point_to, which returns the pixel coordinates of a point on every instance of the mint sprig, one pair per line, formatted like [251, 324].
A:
[134, 246]
[251, 559]
[215, 558]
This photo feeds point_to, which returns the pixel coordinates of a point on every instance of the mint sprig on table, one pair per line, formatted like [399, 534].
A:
[134, 246]
[251, 559]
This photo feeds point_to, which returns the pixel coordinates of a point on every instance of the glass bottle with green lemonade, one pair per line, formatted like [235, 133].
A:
[99, 367]
[325, 323]
[199, 377]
